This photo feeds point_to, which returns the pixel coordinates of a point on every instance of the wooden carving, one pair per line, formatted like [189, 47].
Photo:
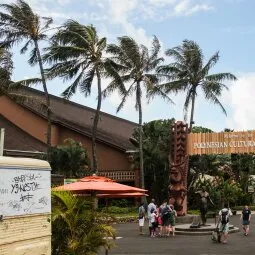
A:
[177, 188]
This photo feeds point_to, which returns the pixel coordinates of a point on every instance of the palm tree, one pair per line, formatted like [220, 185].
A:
[20, 23]
[7, 86]
[134, 65]
[76, 229]
[6, 67]
[188, 73]
[77, 54]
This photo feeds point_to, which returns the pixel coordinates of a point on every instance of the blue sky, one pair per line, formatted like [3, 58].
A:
[224, 25]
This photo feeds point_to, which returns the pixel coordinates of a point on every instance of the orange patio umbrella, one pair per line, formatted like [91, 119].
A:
[101, 185]
[122, 195]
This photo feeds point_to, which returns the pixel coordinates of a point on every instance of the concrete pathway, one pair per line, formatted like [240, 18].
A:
[132, 243]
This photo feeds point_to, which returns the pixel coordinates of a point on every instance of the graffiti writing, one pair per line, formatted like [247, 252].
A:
[26, 197]
[26, 178]
[15, 205]
[24, 187]
[29, 208]
[43, 200]
[3, 191]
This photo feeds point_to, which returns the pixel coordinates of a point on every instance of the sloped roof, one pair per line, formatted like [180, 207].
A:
[111, 129]
[17, 139]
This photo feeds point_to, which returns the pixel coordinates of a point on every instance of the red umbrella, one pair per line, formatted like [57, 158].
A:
[99, 184]
[116, 195]
[122, 195]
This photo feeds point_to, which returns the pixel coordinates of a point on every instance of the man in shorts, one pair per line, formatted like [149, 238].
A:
[141, 214]
[224, 214]
[246, 218]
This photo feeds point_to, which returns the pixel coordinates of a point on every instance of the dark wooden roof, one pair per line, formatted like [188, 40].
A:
[18, 140]
[112, 130]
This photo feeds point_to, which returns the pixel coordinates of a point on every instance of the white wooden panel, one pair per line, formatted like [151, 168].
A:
[24, 191]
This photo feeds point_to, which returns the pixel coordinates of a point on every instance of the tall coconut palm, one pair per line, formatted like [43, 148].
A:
[135, 66]
[77, 54]
[19, 23]
[188, 73]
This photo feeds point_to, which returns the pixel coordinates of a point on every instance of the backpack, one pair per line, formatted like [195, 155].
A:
[140, 212]
[165, 211]
[224, 217]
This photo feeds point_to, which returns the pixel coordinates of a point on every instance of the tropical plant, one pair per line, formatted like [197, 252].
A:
[156, 148]
[229, 190]
[76, 229]
[188, 73]
[70, 159]
[135, 65]
[77, 54]
[19, 23]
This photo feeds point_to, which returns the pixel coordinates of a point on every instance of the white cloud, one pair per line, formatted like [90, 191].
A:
[188, 7]
[242, 102]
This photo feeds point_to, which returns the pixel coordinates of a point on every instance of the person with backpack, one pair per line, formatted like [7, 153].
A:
[166, 219]
[246, 218]
[173, 215]
[141, 215]
[224, 216]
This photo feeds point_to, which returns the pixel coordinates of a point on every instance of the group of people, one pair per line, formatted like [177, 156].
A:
[224, 215]
[161, 219]
[223, 224]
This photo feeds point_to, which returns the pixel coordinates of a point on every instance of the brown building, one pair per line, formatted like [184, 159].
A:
[26, 126]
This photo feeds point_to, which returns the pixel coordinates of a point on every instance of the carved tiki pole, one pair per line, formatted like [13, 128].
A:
[177, 188]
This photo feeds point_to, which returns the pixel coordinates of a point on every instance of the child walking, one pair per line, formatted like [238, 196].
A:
[154, 222]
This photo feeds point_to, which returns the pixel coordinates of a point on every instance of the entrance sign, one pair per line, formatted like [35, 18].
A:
[221, 143]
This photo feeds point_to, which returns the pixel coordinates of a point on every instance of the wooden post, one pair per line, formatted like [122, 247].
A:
[2, 142]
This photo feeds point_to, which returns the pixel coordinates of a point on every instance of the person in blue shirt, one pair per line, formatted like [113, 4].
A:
[246, 218]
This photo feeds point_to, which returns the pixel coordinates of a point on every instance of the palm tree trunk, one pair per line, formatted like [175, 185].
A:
[95, 123]
[47, 97]
[140, 134]
[192, 110]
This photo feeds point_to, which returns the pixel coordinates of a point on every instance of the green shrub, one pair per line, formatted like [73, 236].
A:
[240, 208]
[119, 202]
[193, 212]
[116, 210]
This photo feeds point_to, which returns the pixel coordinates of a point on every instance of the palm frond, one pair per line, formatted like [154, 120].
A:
[211, 62]
[131, 49]
[221, 77]
[212, 96]
[85, 86]
[157, 91]
[126, 95]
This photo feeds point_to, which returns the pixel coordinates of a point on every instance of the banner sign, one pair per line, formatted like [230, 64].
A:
[67, 181]
[221, 143]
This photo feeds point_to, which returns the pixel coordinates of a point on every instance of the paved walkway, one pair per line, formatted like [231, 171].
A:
[132, 243]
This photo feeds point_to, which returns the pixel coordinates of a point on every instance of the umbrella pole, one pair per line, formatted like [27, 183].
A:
[94, 200]
[106, 204]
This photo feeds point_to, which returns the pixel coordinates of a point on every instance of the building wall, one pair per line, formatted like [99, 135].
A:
[108, 157]
[26, 235]
[26, 120]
